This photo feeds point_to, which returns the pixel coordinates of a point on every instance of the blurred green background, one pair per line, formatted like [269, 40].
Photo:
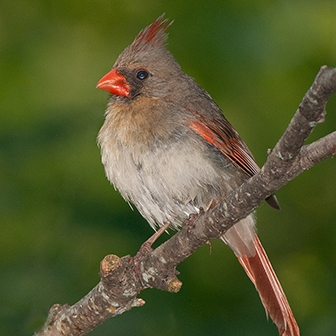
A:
[60, 216]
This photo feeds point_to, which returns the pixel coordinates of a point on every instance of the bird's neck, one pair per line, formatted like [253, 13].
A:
[137, 126]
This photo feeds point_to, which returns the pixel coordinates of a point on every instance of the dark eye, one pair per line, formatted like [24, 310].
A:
[142, 74]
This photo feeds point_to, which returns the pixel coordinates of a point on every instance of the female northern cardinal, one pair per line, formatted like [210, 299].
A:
[168, 149]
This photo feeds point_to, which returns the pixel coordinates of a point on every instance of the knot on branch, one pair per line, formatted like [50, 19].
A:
[109, 264]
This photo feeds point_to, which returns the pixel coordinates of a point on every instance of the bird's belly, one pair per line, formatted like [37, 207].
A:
[168, 185]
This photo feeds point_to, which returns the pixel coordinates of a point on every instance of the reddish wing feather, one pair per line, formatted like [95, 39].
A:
[221, 134]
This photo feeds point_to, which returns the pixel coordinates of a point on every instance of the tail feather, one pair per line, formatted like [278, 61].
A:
[259, 269]
[261, 273]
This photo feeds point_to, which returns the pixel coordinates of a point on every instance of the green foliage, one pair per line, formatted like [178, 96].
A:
[60, 216]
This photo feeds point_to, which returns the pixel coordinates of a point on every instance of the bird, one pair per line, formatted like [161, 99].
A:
[167, 147]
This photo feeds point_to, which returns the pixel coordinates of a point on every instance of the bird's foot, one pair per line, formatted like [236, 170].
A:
[212, 204]
[190, 221]
[146, 247]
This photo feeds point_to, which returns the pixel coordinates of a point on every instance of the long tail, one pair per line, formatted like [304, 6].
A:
[259, 269]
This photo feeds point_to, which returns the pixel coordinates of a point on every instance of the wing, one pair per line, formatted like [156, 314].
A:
[220, 133]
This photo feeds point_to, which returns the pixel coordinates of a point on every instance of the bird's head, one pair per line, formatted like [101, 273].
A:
[144, 68]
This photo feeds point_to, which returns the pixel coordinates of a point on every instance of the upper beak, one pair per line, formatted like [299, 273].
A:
[114, 83]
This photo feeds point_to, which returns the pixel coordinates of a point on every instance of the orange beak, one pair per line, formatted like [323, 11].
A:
[114, 83]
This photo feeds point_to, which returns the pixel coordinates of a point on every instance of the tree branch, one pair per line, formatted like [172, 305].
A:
[120, 281]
